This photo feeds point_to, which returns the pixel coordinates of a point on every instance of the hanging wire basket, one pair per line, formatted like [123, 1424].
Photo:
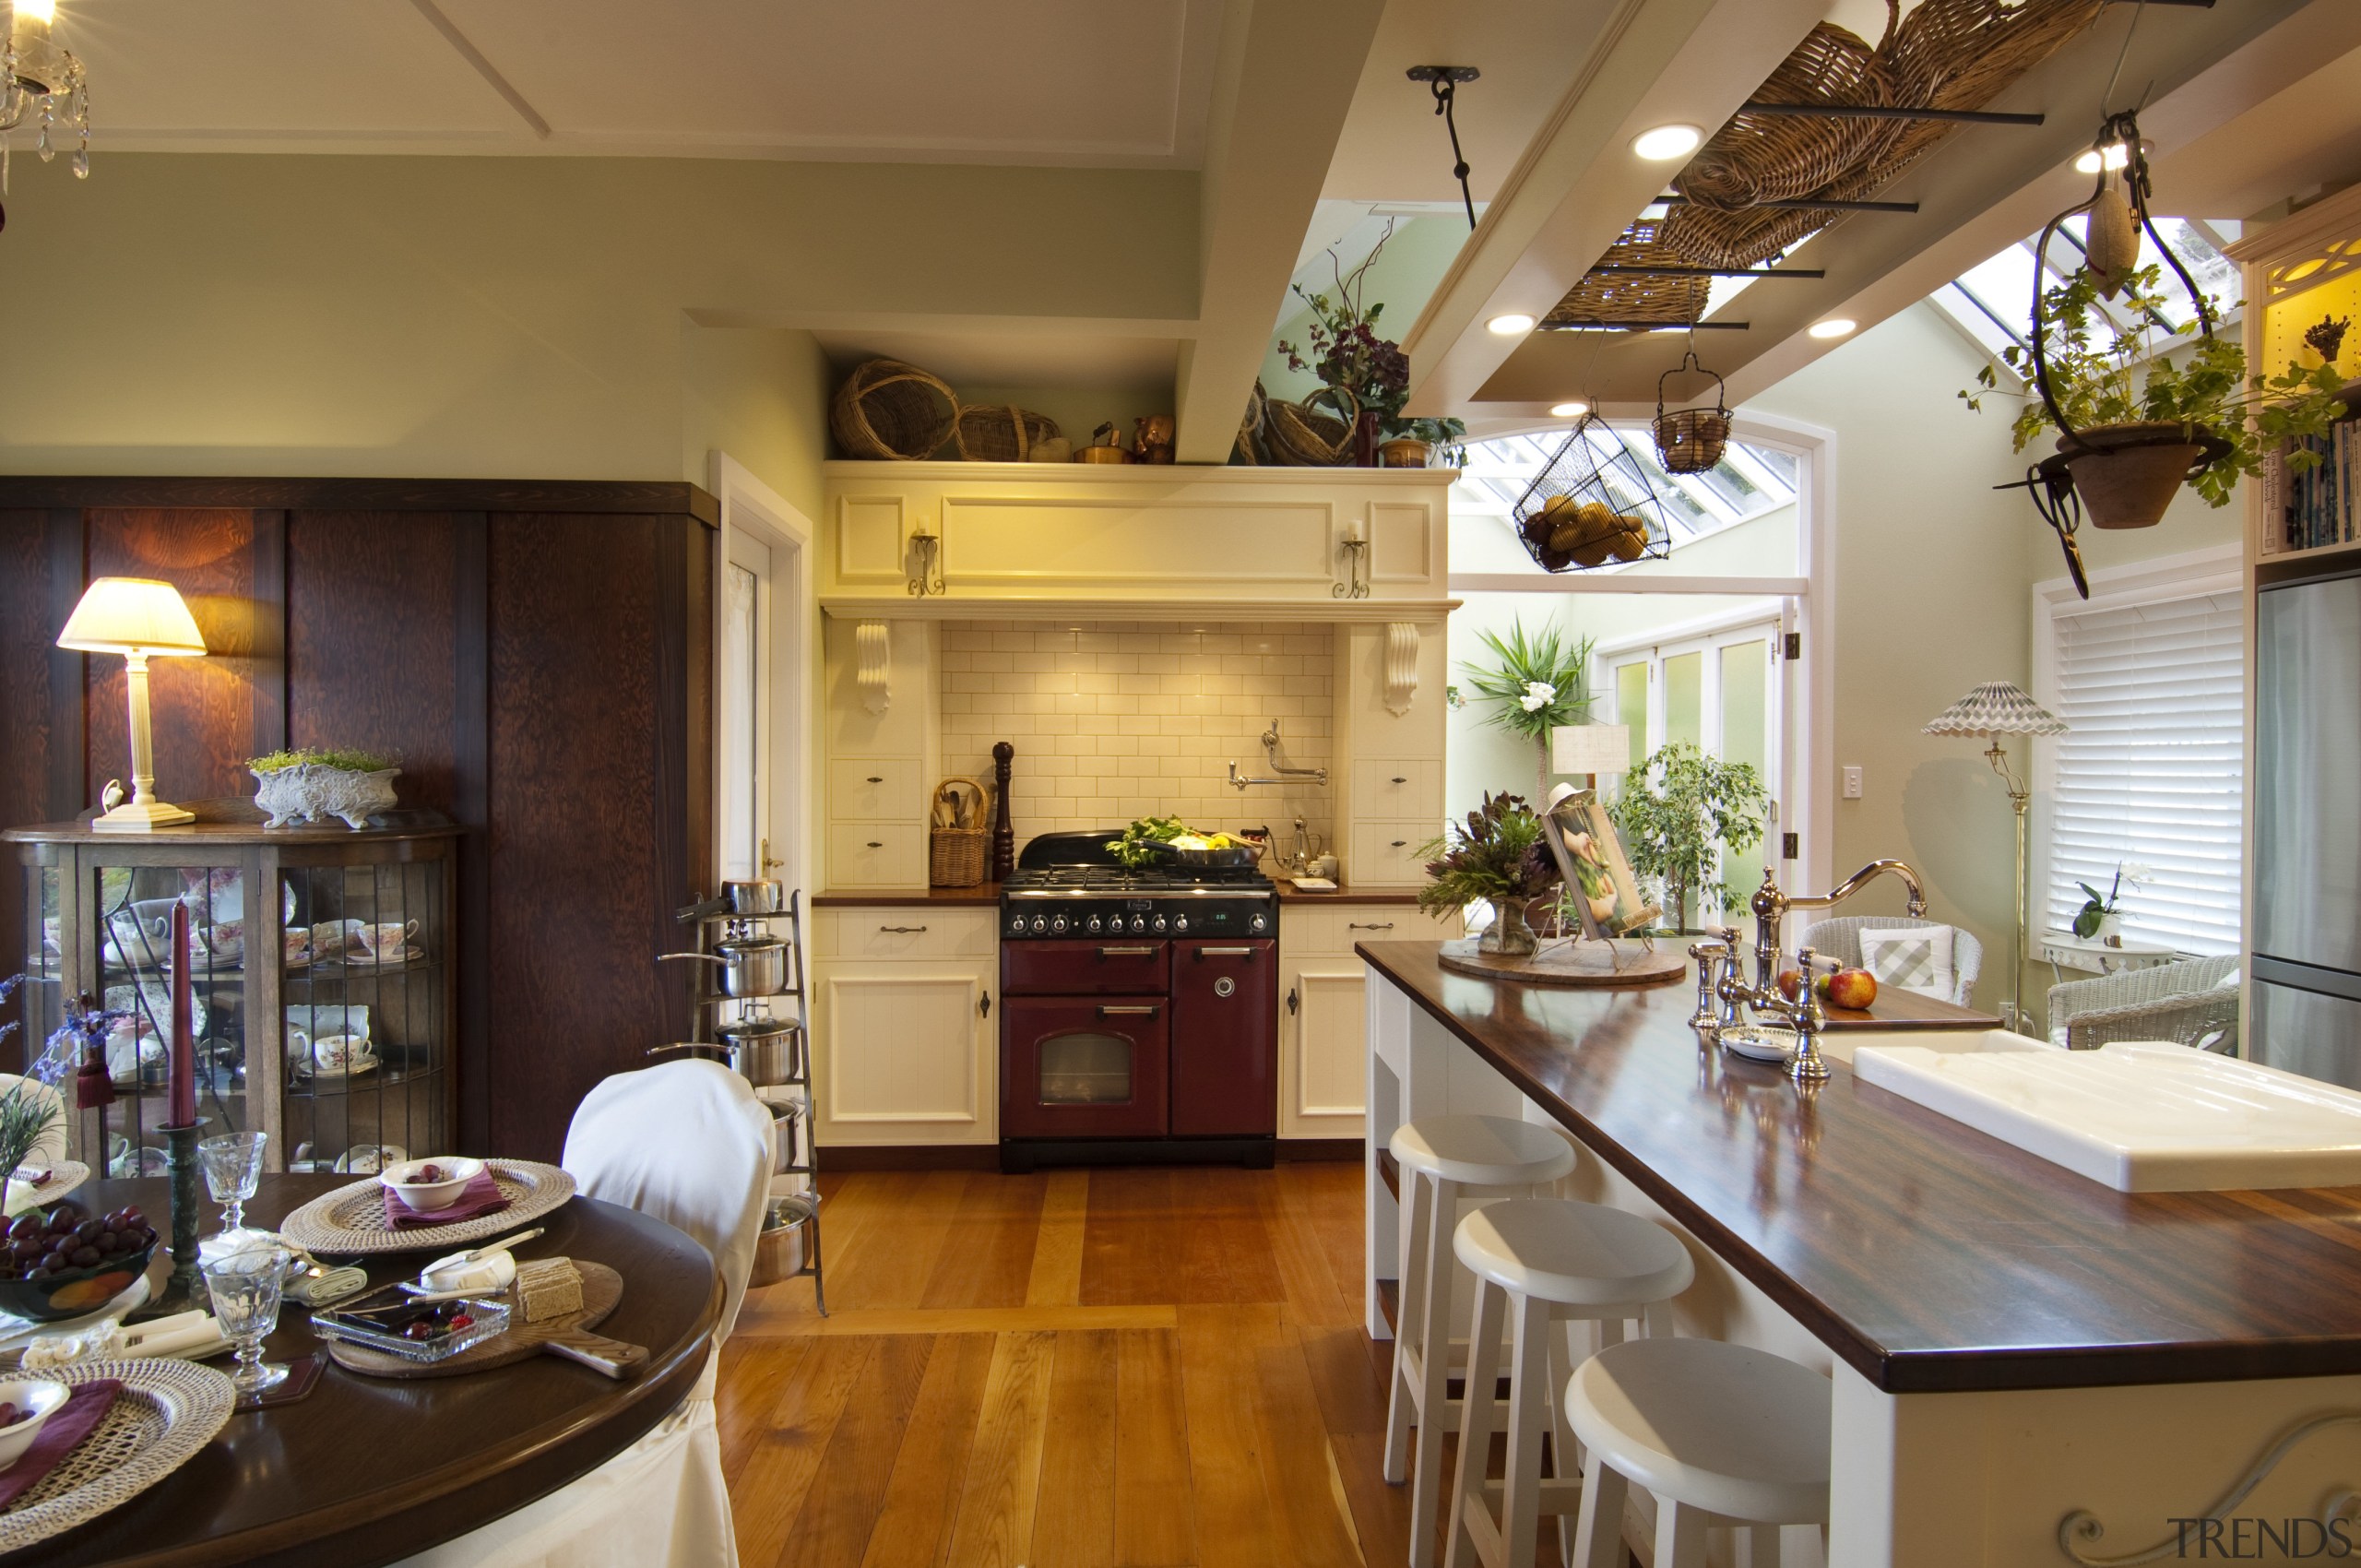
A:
[1583, 510]
[1690, 441]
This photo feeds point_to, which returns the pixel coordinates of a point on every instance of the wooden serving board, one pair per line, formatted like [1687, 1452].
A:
[1569, 963]
[602, 1290]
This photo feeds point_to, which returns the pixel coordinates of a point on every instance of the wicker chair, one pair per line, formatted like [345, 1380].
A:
[2185, 1003]
[1840, 939]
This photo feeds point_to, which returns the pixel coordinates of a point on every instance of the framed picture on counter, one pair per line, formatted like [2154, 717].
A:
[1590, 857]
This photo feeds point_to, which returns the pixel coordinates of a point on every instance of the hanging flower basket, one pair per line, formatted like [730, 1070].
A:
[2128, 474]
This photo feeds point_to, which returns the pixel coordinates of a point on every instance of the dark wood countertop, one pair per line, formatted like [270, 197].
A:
[1928, 1256]
[1406, 896]
[910, 898]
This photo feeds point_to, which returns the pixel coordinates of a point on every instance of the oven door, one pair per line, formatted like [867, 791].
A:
[1082, 1066]
[1225, 1038]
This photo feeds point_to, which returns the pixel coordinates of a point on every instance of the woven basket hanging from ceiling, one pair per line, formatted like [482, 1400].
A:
[1690, 441]
[1591, 504]
[1635, 297]
[887, 408]
[1944, 55]
[994, 433]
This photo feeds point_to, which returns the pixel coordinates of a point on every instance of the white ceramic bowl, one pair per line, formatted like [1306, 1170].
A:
[430, 1197]
[39, 1394]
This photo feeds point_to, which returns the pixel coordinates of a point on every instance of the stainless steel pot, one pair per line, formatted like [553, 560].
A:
[753, 896]
[750, 966]
[761, 1051]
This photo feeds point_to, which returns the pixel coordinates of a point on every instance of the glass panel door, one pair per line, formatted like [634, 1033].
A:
[1085, 1069]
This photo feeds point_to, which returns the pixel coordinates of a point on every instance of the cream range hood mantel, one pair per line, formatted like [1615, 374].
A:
[1041, 541]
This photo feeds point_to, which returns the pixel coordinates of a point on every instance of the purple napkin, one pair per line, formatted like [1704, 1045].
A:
[84, 1409]
[481, 1196]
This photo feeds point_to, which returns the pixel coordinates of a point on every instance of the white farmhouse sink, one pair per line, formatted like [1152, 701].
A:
[2140, 1117]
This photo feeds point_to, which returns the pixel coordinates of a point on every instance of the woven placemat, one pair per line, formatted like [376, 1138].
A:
[352, 1220]
[167, 1411]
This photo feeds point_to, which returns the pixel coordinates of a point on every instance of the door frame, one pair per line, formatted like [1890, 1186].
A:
[755, 508]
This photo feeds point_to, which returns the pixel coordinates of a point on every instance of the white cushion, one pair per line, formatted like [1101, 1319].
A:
[1914, 958]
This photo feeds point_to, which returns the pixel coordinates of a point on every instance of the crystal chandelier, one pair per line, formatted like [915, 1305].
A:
[43, 82]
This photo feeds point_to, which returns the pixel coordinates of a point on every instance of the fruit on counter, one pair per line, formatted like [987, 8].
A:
[43, 1246]
[426, 1175]
[1853, 989]
[1789, 983]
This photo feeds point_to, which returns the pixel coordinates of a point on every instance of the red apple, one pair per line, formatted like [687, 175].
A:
[1790, 983]
[1852, 988]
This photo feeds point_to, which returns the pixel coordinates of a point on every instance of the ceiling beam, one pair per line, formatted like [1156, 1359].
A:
[1579, 184]
[475, 58]
[1286, 80]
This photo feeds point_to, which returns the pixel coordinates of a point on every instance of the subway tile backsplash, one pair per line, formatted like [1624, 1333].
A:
[1117, 721]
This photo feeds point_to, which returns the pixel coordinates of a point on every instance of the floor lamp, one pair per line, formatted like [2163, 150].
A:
[1994, 709]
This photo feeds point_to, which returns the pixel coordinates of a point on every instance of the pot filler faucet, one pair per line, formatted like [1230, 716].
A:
[1802, 1015]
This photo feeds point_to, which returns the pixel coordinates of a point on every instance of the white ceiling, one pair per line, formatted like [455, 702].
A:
[1051, 82]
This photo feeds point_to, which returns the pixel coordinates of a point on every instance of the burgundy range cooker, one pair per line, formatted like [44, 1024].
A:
[1139, 1009]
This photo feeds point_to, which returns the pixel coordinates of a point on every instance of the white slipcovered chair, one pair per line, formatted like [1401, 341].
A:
[688, 1144]
[1840, 939]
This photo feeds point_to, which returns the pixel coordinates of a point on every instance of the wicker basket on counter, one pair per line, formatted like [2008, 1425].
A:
[887, 408]
[1301, 435]
[957, 856]
[995, 432]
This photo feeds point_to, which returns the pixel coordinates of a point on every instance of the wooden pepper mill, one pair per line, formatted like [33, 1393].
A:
[1004, 836]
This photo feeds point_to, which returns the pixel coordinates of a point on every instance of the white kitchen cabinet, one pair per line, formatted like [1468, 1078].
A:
[1322, 1043]
[1385, 853]
[906, 1026]
[882, 725]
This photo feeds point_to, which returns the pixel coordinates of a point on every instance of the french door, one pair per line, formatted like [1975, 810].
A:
[1719, 685]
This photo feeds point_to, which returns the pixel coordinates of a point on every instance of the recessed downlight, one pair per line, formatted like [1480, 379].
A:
[1665, 143]
[1835, 326]
[1512, 324]
[1573, 410]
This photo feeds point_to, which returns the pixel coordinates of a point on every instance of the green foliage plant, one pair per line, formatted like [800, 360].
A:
[1497, 855]
[1541, 683]
[321, 756]
[1679, 811]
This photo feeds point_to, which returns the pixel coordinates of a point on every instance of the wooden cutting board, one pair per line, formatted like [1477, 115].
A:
[602, 1290]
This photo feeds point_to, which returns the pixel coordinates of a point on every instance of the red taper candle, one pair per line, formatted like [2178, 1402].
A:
[184, 1025]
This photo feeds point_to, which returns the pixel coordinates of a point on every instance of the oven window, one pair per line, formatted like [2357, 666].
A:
[1085, 1069]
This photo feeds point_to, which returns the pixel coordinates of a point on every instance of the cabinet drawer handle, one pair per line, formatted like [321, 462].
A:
[1205, 953]
[874, 780]
[1398, 843]
[1375, 925]
[1147, 952]
[984, 1008]
[875, 844]
[1291, 1001]
[900, 930]
[1397, 778]
[1126, 1012]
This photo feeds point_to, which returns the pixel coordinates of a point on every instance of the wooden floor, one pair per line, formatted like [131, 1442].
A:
[1105, 1368]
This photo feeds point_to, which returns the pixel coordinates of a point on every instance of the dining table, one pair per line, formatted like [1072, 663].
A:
[365, 1470]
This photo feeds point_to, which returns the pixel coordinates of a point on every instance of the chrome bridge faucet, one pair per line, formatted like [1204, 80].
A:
[1801, 1013]
[1770, 907]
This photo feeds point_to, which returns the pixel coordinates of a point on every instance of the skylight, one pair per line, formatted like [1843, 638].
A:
[1747, 483]
[1992, 301]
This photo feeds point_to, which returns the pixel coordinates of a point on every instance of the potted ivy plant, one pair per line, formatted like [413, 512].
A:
[1542, 682]
[311, 785]
[1500, 856]
[2142, 417]
[1679, 811]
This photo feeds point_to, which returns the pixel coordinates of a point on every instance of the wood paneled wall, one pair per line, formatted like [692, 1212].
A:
[541, 657]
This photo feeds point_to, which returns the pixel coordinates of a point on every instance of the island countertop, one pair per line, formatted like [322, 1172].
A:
[1927, 1255]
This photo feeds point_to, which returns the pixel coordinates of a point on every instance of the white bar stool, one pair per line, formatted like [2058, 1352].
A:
[1723, 1434]
[1542, 1262]
[1441, 1157]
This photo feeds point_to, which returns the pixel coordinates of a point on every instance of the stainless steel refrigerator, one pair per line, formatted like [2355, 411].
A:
[2305, 1012]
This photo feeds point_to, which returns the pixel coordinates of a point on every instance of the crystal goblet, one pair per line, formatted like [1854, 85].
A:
[245, 1286]
[233, 1166]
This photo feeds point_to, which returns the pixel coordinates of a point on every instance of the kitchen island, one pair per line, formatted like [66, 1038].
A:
[2010, 1343]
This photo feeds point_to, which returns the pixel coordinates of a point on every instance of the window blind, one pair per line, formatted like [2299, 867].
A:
[2152, 772]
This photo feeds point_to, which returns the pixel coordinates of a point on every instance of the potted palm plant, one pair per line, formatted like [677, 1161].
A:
[1542, 682]
[1676, 815]
[2135, 418]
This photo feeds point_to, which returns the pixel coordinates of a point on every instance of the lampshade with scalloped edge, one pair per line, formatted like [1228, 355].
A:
[1997, 707]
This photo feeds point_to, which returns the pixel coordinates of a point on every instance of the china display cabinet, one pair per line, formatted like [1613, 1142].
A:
[321, 983]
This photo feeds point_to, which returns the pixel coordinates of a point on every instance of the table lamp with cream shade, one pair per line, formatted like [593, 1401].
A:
[135, 617]
[1994, 709]
[1591, 749]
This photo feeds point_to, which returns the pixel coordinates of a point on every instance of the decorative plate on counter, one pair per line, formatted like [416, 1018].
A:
[167, 1411]
[352, 1220]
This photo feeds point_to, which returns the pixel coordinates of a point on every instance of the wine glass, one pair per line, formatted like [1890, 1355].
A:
[245, 1286]
[233, 1166]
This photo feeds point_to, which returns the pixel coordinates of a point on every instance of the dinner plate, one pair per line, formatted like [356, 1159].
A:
[166, 1413]
[352, 1219]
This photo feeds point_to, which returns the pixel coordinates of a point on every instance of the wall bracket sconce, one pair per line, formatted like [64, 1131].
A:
[1354, 545]
[926, 575]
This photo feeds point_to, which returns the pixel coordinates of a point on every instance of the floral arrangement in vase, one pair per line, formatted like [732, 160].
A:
[2096, 919]
[1500, 856]
[1342, 347]
[312, 785]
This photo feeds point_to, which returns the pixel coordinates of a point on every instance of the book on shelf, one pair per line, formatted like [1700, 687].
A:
[2314, 506]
